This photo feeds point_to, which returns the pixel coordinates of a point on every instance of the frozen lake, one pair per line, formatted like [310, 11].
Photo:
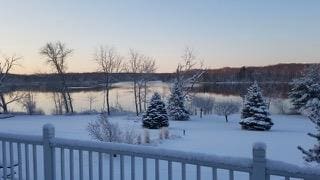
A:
[122, 94]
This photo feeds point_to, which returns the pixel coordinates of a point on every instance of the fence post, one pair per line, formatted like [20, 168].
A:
[259, 161]
[48, 134]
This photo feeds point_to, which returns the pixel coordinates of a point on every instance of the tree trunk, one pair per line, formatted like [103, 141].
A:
[107, 99]
[201, 112]
[226, 116]
[4, 104]
[145, 95]
[65, 101]
[135, 97]
[139, 96]
[104, 100]
[70, 102]
[65, 94]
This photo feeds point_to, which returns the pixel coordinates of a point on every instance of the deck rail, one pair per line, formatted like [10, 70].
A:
[50, 158]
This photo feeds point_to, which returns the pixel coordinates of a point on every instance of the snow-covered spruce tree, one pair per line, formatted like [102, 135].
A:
[176, 107]
[313, 112]
[305, 87]
[254, 115]
[156, 116]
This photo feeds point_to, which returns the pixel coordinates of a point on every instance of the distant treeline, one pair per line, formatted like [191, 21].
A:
[272, 73]
[283, 73]
[75, 81]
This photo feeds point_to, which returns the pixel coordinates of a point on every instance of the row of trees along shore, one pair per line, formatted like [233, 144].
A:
[109, 62]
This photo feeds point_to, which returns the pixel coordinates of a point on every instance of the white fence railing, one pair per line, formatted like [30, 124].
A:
[50, 158]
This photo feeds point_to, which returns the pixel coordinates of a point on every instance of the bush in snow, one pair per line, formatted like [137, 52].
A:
[131, 136]
[29, 104]
[313, 113]
[226, 108]
[146, 137]
[176, 107]
[305, 87]
[103, 130]
[156, 115]
[255, 115]
[164, 133]
[139, 139]
[204, 103]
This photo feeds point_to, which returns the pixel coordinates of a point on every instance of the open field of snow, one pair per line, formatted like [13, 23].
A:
[210, 135]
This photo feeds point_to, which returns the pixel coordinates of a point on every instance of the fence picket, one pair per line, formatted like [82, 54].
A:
[133, 169]
[144, 167]
[231, 175]
[81, 164]
[100, 166]
[35, 167]
[214, 174]
[26, 149]
[19, 161]
[198, 172]
[111, 166]
[90, 166]
[12, 173]
[4, 159]
[169, 170]
[121, 167]
[157, 174]
[183, 171]
[71, 164]
[63, 175]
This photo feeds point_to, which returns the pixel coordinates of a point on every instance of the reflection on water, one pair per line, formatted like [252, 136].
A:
[123, 94]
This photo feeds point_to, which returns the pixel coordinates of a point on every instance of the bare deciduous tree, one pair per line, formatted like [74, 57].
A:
[91, 98]
[189, 72]
[109, 62]
[58, 103]
[204, 103]
[7, 63]
[141, 67]
[134, 67]
[56, 55]
[148, 66]
[29, 104]
[226, 108]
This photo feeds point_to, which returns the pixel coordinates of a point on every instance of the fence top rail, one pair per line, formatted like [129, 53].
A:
[282, 168]
[232, 163]
[26, 139]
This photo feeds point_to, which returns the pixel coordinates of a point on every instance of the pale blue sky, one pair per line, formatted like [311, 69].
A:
[223, 33]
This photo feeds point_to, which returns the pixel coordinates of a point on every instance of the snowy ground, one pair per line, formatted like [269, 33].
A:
[211, 135]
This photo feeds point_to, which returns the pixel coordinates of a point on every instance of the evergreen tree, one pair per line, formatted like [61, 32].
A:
[313, 112]
[176, 107]
[254, 115]
[305, 87]
[156, 116]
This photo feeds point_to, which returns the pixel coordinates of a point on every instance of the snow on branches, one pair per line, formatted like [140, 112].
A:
[176, 104]
[305, 88]
[156, 116]
[313, 113]
[255, 114]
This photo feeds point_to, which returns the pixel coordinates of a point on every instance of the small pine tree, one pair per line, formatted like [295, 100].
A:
[176, 108]
[304, 88]
[313, 112]
[156, 116]
[254, 115]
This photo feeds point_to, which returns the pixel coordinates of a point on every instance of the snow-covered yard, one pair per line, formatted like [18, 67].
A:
[210, 135]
